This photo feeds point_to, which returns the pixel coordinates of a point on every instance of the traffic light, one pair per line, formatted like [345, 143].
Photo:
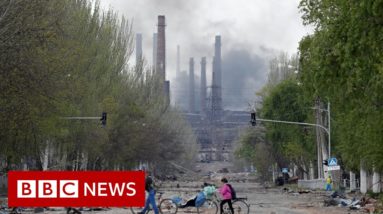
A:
[325, 162]
[103, 119]
[253, 120]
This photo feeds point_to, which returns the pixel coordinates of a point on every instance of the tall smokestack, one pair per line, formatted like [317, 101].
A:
[217, 57]
[161, 47]
[191, 86]
[203, 86]
[178, 61]
[154, 52]
[217, 82]
[138, 48]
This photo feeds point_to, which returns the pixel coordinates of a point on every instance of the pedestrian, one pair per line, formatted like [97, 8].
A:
[328, 183]
[226, 195]
[150, 200]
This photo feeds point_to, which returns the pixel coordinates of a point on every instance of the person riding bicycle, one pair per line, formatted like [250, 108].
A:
[226, 195]
[208, 190]
[149, 187]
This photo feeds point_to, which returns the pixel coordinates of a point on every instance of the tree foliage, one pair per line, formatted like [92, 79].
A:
[282, 99]
[342, 62]
[254, 149]
[291, 144]
[69, 58]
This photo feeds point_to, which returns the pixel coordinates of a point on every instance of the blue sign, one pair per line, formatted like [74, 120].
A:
[285, 170]
[332, 162]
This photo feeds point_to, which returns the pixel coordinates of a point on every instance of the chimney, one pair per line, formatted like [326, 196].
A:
[161, 47]
[161, 56]
[203, 86]
[191, 86]
[216, 105]
[178, 61]
[154, 52]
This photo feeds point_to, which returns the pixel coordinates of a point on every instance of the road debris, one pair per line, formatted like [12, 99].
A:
[364, 203]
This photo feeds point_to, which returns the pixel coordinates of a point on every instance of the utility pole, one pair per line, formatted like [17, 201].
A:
[321, 144]
[329, 129]
[319, 139]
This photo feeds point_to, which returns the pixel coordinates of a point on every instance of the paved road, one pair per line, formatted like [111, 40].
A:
[261, 200]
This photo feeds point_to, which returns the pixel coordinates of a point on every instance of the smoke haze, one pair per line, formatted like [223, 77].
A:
[253, 31]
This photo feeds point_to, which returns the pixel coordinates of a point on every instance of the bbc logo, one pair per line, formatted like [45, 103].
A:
[47, 188]
[76, 189]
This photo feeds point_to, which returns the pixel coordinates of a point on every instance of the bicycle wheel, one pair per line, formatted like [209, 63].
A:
[208, 207]
[71, 210]
[136, 210]
[167, 206]
[241, 207]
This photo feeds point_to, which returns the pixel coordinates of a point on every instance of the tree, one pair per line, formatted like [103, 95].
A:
[71, 59]
[254, 149]
[342, 62]
[290, 144]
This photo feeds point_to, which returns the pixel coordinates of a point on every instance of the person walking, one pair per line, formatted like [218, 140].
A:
[226, 194]
[149, 187]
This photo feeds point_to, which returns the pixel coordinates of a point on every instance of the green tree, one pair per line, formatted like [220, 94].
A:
[342, 62]
[289, 143]
[70, 58]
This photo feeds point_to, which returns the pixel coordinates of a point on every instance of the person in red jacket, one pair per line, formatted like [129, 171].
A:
[225, 192]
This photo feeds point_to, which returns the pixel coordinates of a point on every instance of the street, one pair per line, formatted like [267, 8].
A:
[262, 200]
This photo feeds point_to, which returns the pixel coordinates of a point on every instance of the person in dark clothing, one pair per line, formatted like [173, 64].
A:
[148, 183]
[189, 203]
[149, 187]
[208, 189]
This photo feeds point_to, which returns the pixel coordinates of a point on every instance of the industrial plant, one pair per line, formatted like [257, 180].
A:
[215, 127]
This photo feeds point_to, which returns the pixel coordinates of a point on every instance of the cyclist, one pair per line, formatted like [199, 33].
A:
[149, 187]
[226, 195]
[208, 190]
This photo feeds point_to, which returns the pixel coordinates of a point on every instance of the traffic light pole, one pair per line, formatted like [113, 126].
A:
[306, 124]
[253, 122]
[328, 129]
[297, 123]
[82, 118]
[102, 118]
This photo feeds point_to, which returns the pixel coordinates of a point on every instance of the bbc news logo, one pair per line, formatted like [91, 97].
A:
[76, 189]
[47, 188]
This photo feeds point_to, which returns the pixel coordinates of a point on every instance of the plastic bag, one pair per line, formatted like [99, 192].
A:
[201, 198]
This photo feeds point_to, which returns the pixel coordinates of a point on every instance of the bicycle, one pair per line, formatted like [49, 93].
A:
[239, 206]
[171, 206]
[136, 210]
[208, 207]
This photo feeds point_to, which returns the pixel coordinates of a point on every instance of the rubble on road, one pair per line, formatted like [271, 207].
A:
[364, 203]
[296, 192]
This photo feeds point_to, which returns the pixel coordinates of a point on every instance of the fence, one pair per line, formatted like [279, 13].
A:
[312, 184]
[347, 185]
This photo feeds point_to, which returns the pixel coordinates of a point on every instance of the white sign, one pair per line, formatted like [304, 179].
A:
[333, 168]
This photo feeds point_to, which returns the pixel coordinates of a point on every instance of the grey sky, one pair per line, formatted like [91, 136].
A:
[253, 30]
